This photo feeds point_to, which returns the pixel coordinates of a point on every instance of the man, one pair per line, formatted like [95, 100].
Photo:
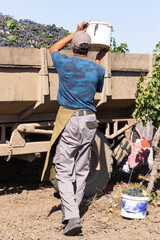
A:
[79, 79]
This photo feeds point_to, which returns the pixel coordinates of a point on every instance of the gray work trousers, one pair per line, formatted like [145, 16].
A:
[72, 159]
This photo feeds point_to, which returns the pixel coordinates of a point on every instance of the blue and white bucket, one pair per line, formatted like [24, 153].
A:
[133, 207]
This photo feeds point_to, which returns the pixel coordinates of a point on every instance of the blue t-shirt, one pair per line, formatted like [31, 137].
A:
[79, 80]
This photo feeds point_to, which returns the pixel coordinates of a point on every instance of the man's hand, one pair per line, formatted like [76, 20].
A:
[64, 41]
[82, 26]
[100, 55]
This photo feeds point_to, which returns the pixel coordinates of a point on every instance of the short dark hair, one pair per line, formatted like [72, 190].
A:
[83, 49]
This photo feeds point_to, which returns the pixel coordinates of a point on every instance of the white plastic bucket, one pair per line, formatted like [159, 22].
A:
[133, 207]
[100, 33]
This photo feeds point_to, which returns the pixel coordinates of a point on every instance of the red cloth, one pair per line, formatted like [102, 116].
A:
[145, 143]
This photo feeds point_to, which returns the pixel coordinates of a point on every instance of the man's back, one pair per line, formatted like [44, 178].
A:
[79, 80]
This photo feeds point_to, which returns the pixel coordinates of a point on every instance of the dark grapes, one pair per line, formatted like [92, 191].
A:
[136, 192]
[27, 33]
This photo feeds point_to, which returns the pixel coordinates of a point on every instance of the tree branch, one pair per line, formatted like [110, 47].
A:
[156, 162]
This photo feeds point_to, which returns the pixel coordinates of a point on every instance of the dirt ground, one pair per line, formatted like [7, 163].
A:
[31, 210]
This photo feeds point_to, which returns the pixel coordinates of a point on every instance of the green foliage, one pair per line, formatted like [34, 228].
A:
[47, 46]
[148, 94]
[11, 25]
[123, 48]
[154, 196]
[12, 38]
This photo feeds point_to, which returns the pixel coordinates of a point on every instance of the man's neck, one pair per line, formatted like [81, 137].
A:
[80, 55]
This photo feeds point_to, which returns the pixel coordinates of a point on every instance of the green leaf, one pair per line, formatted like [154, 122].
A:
[157, 106]
[11, 25]
[47, 46]
[123, 48]
[35, 30]
[12, 38]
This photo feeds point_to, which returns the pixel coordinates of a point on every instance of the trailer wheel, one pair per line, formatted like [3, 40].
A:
[100, 166]
[11, 168]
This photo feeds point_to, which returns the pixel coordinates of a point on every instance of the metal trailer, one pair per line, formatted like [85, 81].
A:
[28, 107]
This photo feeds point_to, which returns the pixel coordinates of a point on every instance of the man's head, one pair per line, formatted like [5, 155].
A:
[82, 42]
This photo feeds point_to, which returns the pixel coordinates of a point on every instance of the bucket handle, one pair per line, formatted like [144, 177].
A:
[95, 29]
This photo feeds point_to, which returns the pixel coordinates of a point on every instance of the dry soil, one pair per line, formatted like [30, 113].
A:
[30, 210]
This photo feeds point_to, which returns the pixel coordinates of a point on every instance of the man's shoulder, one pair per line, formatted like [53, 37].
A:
[59, 58]
[100, 68]
[58, 54]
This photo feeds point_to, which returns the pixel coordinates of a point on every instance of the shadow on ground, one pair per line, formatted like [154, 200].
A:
[28, 178]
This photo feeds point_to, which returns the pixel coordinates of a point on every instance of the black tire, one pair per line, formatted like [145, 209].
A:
[100, 166]
[9, 169]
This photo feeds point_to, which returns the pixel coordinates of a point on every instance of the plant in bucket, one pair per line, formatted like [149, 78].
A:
[134, 202]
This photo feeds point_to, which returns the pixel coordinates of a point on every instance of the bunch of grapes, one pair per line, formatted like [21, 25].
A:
[136, 192]
[26, 33]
